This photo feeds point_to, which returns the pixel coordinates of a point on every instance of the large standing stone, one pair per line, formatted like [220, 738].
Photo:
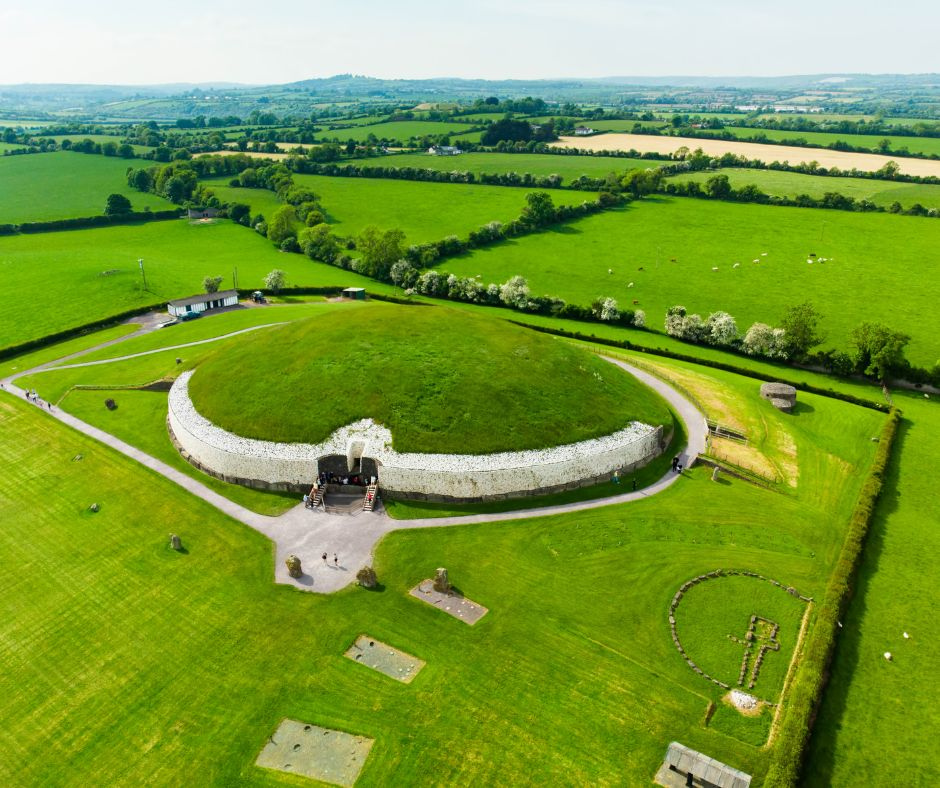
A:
[366, 577]
[175, 542]
[293, 566]
[441, 582]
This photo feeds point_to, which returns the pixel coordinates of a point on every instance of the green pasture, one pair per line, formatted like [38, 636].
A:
[423, 211]
[101, 139]
[568, 167]
[407, 368]
[879, 718]
[261, 201]
[622, 125]
[59, 350]
[394, 131]
[926, 145]
[91, 274]
[873, 259]
[5, 146]
[99, 660]
[215, 325]
[791, 184]
[65, 185]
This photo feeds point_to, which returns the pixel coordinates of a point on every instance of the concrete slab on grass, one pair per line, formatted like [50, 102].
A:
[318, 753]
[457, 606]
[385, 659]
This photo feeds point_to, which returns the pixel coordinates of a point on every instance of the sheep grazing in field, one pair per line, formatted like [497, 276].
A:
[714, 268]
[640, 268]
[809, 261]
[610, 270]
[763, 254]
[635, 302]
[630, 285]
[757, 260]
[736, 265]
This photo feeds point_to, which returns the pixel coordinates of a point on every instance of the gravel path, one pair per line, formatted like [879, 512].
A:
[309, 534]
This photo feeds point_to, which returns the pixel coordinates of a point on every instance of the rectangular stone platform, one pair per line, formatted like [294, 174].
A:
[318, 753]
[459, 607]
[385, 659]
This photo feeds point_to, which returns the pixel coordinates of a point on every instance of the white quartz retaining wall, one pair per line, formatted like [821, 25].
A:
[294, 465]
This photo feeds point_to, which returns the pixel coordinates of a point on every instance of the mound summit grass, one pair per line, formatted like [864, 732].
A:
[440, 380]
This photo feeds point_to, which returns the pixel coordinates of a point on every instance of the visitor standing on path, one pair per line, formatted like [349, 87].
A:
[324, 558]
[335, 560]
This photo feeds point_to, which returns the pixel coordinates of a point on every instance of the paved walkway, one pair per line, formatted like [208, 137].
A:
[309, 534]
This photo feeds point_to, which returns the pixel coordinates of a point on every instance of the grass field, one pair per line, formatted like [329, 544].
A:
[871, 256]
[76, 289]
[402, 130]
[88, 649]
[926, 145]
[424, 211]
[101, 139]
[568, 167]
[407, 368]
[64, 185]
[790, 184]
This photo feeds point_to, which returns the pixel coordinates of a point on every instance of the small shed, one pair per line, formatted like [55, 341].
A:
[355, 293]
[583, 131]
[203, 213]
[203, 302]
[706, 771]
[781, 395]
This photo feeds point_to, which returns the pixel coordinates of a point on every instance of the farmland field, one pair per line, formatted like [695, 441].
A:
[63, 185]
[402, 130]
[634, 693]
[927, 145]
[90, 274]
[568, 167]
[101, 139]
[871, 256]
[424, 211]
[790, 184]
[869, 162]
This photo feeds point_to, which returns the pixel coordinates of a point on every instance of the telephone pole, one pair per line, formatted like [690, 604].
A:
[143, 273]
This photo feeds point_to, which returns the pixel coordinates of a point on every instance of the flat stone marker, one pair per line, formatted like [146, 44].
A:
[318, 753]
[457, 606]
[385, 659]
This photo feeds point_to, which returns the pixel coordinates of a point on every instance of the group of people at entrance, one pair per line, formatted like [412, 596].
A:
[332, 478]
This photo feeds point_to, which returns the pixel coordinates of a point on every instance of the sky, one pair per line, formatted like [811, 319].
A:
[110, 42]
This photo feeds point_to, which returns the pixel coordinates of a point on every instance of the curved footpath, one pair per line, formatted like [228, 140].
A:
[310, 533]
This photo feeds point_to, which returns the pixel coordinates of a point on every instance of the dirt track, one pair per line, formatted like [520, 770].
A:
[752, 150]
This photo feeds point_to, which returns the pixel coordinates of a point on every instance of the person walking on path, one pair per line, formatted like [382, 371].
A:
[324, 558]
[335, 560]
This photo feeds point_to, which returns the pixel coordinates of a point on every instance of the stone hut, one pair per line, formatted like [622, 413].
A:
[780, 395]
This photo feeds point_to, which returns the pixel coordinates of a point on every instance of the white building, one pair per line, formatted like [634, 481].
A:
[583, 131]
[203, 302]
[444, 150]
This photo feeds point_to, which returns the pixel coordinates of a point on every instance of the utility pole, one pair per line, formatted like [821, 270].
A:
[143, 273]
[235, 278]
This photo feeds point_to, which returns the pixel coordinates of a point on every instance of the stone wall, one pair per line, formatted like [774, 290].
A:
[270, 465]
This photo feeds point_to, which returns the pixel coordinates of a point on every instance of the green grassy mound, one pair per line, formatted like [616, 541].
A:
[439, 379]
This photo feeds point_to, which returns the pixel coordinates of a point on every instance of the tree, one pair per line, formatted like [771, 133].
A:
[380, 251]
[605, 309]
[239, 212]
[117, 205]
[640, 182]
[879, 351]
[539, 210]
[318, 244]
[639, 319]
[515, 292]
[675, 321]
[211, 284]
[722, 328]
[280, 226]
[800, 324]
[140, 180]
[718, 187]
[275, 281]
